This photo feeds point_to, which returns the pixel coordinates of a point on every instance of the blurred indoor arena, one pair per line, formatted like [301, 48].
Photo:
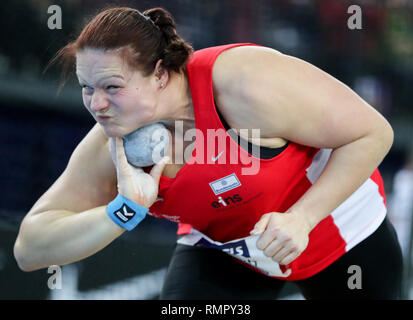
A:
[39, 127]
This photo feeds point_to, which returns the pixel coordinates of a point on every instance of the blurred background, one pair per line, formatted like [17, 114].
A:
[39, 129]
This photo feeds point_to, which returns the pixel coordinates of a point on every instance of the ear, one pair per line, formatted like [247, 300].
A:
[161, 74]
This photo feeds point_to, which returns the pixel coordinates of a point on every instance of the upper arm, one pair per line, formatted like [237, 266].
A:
[88, 181]
[296, 100]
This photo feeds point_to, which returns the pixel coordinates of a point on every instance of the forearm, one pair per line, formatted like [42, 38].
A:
[61, 237]
[348, 168]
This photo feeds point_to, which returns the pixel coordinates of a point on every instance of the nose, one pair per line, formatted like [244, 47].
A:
[99, 103]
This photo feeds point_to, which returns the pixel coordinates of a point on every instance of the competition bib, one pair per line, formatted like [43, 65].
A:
[243, 249]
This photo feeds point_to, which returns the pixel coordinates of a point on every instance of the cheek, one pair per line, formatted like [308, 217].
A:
[86, 100]
[124, 97]
[132, 100]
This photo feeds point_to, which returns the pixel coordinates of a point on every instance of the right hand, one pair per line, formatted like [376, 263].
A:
[134, 183]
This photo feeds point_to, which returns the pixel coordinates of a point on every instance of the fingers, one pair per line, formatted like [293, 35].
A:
[280, 239]
[261, 225]
[158, 169]
[270, 232]
[274, 247]
[282, 252]
[289, 258]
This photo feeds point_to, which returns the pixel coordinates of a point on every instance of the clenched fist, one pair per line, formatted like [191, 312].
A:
[284, 236]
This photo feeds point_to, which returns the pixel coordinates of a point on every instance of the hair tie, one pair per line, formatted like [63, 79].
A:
[148, 18]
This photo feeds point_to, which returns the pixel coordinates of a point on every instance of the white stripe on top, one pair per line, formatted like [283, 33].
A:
[361, 213]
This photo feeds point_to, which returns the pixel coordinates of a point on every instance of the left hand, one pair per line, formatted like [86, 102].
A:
[284, 236]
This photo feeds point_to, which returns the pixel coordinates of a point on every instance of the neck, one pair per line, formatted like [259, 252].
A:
[177, 99]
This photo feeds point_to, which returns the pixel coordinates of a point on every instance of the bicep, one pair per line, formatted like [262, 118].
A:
[308, 106]
[88, 181]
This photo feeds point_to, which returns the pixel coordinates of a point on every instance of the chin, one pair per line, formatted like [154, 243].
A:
[112, 131]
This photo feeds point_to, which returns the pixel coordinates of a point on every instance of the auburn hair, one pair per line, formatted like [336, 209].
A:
[141, 39]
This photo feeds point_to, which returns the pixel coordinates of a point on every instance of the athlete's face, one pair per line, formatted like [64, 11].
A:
[120, 99]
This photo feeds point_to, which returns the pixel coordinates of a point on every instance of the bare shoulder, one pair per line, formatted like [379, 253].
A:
[239, 76]
[232, 65]
[289, 98]
[88, 181]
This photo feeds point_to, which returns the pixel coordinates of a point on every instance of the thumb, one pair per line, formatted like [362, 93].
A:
[121, 159]
[158, 169]
[112, 149]
[261, 225]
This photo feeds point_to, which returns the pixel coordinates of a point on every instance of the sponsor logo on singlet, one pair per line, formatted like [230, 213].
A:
[225, 184]
[223, 203]
[226, 201]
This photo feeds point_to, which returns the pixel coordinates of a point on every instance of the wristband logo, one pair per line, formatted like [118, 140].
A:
[124, 213]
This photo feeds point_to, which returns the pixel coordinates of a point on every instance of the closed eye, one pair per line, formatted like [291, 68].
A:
[87, 89]
[112, 89]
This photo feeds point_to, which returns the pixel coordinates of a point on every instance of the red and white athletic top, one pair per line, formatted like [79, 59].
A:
[217, 200]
